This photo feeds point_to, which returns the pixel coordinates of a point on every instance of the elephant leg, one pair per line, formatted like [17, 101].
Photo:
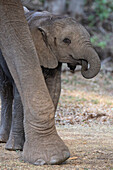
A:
[16, 137]
[6, 91]
[53, 82]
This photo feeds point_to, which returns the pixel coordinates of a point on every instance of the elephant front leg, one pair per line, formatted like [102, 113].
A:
[6, 106]
[50, 148]
[53, 82]
[16, 137]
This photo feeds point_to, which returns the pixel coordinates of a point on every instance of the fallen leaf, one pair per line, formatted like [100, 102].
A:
[73, 158]
[84, 142]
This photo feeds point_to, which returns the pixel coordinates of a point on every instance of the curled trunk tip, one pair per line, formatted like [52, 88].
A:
[93, 59]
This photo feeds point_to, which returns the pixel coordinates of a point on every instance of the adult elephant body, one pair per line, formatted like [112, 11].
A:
[57, 39]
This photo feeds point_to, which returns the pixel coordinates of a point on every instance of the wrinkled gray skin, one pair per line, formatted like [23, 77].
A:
[57, 39]
[15, 136]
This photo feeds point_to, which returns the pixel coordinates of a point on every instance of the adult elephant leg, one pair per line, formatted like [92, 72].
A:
[53, 82]
[6, 91]
[42, 143]
[16, 137]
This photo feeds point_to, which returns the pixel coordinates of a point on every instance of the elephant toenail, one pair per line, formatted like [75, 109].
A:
[54, 161]
[40, 162]
[66, 154]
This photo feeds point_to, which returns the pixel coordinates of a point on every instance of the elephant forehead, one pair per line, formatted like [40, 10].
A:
[70, 30]
[68, 25]
[71, 26]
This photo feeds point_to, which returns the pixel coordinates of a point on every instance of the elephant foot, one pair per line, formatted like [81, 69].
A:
[3, 138]
[48, 149]
[15, 143]
[4, 135]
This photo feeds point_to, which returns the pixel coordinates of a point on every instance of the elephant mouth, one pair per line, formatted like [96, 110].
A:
[81, 62]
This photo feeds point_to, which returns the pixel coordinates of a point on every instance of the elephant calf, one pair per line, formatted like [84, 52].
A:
[58, 39]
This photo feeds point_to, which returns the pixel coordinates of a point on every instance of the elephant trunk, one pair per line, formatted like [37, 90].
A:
[91, 58]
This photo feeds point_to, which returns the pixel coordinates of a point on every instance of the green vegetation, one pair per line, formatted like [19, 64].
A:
[95, 101]
[42, 1]
[98, 43]
[79, 99]
[65, 81]
[102, 10]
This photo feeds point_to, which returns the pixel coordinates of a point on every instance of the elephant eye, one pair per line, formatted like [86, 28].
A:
[67, 41]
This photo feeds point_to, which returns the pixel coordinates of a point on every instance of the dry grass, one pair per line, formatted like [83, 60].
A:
[86, 101]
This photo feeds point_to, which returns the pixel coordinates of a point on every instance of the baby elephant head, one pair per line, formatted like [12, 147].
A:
[62, 39]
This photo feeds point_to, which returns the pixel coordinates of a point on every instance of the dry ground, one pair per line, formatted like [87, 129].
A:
[84, 120]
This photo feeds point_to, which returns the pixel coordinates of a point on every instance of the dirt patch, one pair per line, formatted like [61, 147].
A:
[90, 147]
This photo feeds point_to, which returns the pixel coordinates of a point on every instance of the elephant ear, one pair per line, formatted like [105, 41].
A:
[46, 57]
